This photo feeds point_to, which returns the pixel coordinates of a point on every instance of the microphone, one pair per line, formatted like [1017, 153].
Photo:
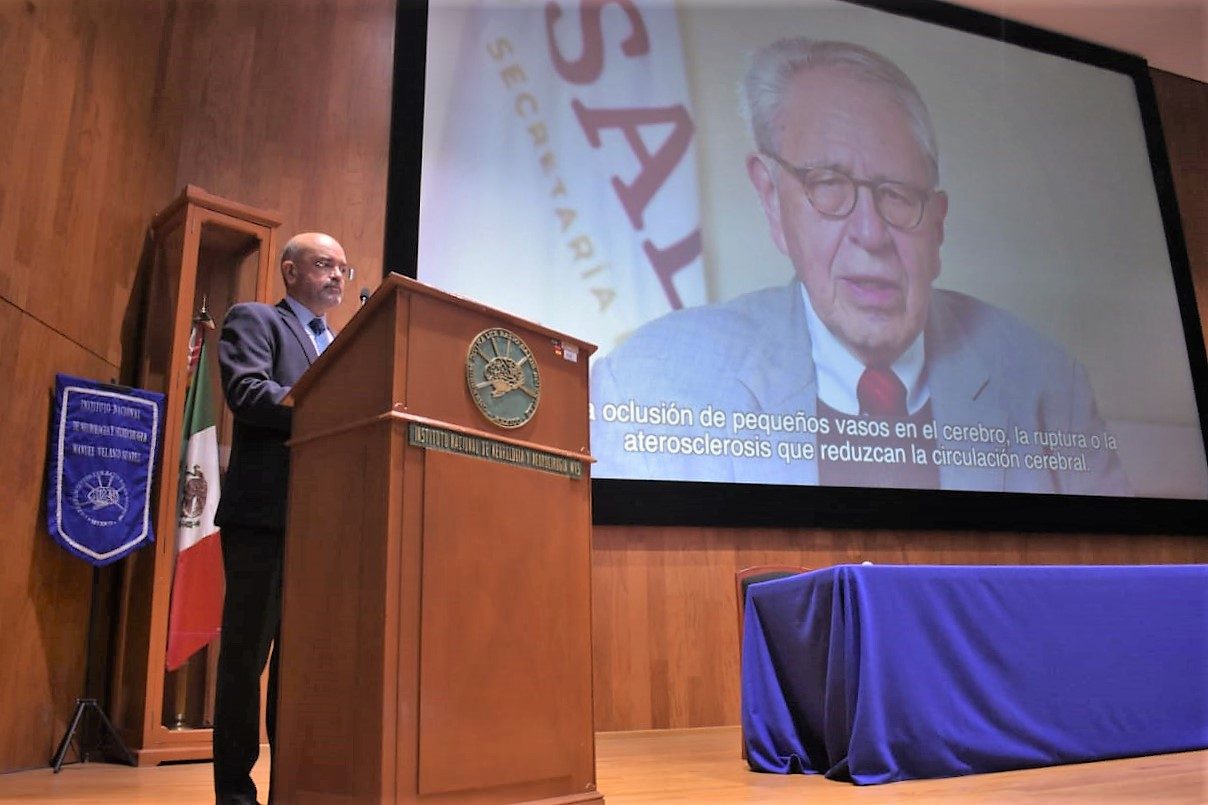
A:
[364, 295]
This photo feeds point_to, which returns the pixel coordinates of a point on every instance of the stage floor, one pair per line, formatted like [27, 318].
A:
[689, 766]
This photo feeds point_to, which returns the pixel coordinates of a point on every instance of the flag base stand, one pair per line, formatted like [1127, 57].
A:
[82, 708]
[85, 706]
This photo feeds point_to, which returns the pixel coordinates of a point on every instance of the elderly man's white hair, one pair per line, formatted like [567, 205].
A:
[773, 68]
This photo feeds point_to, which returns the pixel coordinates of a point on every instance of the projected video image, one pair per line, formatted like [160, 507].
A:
[817, 244]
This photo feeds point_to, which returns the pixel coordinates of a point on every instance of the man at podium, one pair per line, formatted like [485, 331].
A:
[263, 351]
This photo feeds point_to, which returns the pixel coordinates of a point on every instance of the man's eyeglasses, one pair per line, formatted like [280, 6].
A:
[832, 193]
[325, 265]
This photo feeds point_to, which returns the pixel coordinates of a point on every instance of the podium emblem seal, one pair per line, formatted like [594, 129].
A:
[503, 377]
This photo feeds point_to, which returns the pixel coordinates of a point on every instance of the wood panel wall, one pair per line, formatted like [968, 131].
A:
[85, 156]
[665, 611]
[286, 107]
[112, 107]
[85, 160]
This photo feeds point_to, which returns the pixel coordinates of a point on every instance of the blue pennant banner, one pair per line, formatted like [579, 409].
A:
[103, 451]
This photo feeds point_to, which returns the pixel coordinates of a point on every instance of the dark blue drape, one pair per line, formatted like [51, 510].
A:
[882, 673]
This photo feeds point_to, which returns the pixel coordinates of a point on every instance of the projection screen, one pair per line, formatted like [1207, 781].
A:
[594, 167]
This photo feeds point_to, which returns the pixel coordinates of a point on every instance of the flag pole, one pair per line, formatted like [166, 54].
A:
[180, 696]
[180, 687]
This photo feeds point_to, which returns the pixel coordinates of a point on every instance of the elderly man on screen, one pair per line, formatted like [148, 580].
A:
[859, 372]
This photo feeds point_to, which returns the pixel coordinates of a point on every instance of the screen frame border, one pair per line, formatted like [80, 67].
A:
[672, 503]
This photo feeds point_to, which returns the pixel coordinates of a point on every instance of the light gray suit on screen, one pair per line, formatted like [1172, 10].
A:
[983, 366]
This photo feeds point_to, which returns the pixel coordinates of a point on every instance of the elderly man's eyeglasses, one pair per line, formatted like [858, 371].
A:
[324, 265]
[832, 193]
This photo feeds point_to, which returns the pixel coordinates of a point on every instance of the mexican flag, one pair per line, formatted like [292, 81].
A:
[195, 617]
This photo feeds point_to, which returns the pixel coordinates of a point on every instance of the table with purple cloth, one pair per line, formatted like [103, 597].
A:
[877, 673]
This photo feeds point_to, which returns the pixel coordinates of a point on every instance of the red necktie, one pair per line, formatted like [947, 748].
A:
[881, 394]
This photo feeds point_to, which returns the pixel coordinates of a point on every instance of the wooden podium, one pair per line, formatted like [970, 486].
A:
[436, 633]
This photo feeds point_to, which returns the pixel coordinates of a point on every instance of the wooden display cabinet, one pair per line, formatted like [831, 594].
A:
[204, 247]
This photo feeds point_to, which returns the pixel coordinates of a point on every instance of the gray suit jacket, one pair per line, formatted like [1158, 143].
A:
[262, 352]
[752, 355]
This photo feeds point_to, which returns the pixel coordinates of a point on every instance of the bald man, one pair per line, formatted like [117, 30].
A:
[263, 351]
